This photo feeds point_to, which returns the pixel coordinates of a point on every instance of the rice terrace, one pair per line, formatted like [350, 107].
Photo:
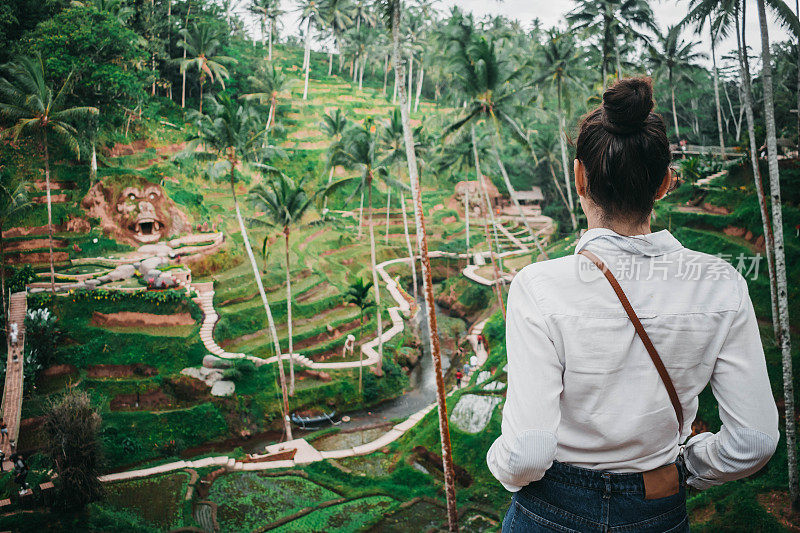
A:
[256, 255]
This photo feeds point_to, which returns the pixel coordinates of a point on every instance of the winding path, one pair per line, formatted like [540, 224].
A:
[12, 391]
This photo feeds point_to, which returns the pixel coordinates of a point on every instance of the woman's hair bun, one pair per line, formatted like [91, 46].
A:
[626, 105]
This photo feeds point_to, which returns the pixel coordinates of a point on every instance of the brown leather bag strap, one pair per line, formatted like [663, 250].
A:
[637, 325]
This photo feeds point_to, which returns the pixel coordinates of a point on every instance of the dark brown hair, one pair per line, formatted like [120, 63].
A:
[624, 148]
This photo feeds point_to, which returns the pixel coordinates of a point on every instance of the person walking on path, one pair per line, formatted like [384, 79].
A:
[459, 376]
[20, 472]
[3, 430]
[609, 348]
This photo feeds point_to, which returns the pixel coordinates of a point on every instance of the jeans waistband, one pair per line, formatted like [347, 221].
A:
[609, 482]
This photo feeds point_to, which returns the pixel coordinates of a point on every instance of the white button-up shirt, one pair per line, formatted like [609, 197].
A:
[583, 390]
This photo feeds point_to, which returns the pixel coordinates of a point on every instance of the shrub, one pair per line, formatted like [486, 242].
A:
[71, 440]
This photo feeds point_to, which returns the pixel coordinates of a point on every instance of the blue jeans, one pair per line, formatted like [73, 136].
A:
[572, 499]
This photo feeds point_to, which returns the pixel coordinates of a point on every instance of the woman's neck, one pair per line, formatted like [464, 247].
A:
[620, 226]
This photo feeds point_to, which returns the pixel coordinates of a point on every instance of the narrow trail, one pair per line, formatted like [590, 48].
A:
[12, 391]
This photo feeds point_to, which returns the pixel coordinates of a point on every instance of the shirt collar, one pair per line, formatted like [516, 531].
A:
[652, 244]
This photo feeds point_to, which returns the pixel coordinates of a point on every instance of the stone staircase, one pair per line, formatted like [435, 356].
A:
[12, 392]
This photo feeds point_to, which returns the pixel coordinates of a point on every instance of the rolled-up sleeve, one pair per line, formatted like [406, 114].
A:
[749, 433]
[527, 445]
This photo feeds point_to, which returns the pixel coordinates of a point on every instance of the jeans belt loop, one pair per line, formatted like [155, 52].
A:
[607, 486]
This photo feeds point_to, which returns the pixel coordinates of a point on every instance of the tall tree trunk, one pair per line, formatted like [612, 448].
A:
[49, 210]
[427, 280]
[325, 201]
[385, 73]
[410, 249]
[780, 257]
[769, 241]
[271, 24]
[513, 194]
[797, 11]
[289, 313]
[394, 91]
[737, 124]
[183, 74]
[93, 165]
[565, 159]
[696, 122]
[674, 111]
[388, 201]
[419, 85]
[466, 215]
[308, 58]
[263, 30]
[361, 360]
[375, 284]
[498, 279]
[489, 207]
[410, 75]
[201, 94]
[716, 96]
[361, 72]
[360, 215]
[330, 63]
[273, 332]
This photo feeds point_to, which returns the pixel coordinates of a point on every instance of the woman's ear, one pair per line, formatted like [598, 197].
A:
[580, 177]
[667, 183]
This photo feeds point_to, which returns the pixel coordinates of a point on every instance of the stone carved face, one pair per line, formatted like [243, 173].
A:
[138, 213]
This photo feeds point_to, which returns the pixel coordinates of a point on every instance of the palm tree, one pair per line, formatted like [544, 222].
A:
[183, 72]
[719, 24]
[338, 16]
[358, 150]
[488, 85]
[560, 61]
[333, 124]
[674, 57]
[361, 12]
[310, 14]
[231, 132]
[612, 18]
[13, 200]
[393, 149]
[201, 43]
[780, 256]
[39, 112]
[358, 294]
[284, 202]
[267, 11]
[269, 82]
[360, 41]
[391, 11]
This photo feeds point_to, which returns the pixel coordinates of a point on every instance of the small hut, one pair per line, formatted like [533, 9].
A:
[533, 197]
[476, 193]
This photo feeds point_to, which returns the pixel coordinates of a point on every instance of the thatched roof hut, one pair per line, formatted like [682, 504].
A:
[475, 189]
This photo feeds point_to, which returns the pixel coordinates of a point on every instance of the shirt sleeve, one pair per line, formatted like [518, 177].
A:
[749, 433]
[527, 445]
